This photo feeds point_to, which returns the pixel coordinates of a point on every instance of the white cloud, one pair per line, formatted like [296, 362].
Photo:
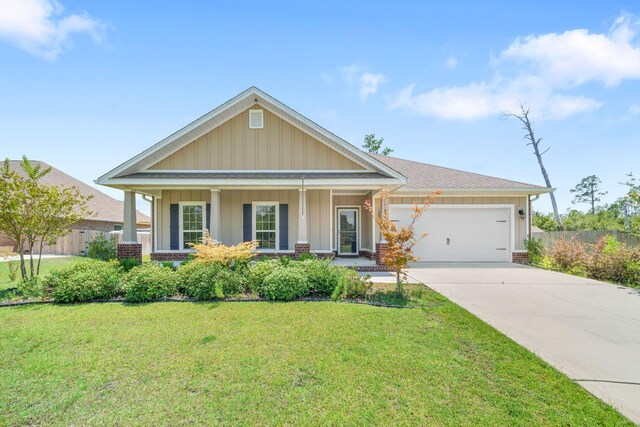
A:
[451, 62]
[634, 109]
[355, 75]
[39, 27]
[369, 83]
[539, 71]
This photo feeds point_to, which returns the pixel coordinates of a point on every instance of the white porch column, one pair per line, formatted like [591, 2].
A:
[302, 217]
[129, 230]
[216, 223]
[384, 206]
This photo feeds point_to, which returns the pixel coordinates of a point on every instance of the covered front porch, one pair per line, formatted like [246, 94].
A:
[286, 221]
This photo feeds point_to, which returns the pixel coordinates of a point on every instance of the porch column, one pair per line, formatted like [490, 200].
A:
[216, 224]
[302, 245]
[129, 230]
[129, 248]
[384, 206]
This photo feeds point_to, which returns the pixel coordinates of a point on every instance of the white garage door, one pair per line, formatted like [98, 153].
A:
[460, 234]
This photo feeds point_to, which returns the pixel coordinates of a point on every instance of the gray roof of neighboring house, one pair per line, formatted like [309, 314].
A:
[422, 175]
[105, 207]
[256, 175]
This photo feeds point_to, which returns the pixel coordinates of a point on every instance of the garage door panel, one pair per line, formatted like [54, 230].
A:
[460, 234]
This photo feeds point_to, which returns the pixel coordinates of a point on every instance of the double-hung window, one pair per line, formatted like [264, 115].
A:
[265, 229]
[192, 223]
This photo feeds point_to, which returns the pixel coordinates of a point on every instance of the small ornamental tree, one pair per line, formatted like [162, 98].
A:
[400, 241]
[33, 214]
[208, 251]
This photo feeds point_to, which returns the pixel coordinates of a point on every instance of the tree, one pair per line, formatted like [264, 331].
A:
[535, 143]
[373, 145]
[34, 214]
[588, 191]
[400, 242]
[633, 194]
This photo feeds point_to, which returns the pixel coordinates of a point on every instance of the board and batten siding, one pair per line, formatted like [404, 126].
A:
[231, 202]
[278, 146]
[520, 225]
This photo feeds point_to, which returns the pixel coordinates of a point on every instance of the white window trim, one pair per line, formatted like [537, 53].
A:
[204, 221]
[261, 113]
[253, 224]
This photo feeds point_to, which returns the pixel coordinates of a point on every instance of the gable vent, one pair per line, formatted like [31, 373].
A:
[256, 119]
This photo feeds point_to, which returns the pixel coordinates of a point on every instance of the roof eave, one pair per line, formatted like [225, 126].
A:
[476, 191]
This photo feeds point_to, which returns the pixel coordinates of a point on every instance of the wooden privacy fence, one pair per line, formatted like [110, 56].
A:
[586, 236]
[75, 243]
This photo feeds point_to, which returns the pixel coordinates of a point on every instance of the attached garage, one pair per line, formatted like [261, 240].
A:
[461, 232]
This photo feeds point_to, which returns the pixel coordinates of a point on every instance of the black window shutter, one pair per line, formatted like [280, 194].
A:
[208, 218]
[247, 232]
[174, 226]
[284, 227]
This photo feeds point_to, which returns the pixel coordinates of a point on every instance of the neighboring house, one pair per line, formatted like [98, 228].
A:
[253, 168]
[108, 212]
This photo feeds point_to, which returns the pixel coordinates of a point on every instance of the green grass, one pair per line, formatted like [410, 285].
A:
[46, 266]
[302, 363]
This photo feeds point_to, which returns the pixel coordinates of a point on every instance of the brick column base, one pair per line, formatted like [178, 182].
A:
[130, 250]
[381, 248]
[302, 248]
[520, 257]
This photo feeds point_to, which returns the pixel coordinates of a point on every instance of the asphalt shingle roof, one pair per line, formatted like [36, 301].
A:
[422, 175]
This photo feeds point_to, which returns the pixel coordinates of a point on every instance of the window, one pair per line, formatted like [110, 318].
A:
[192, 223]
[117, 227]
[256, 119]
[266, 225]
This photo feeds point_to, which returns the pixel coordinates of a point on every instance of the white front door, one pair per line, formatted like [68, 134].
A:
[348, 229]
[466, 233]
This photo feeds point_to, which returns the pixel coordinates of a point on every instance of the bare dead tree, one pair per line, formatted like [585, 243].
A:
[535, 143]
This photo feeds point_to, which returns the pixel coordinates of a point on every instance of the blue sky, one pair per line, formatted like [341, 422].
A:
[86, 85]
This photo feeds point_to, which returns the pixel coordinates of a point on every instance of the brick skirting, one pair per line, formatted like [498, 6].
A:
[130, 250]
[368, 255]
[520, 257]
[169, 256]
[381, 248]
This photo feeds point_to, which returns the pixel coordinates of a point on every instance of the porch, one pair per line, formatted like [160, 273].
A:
[286, 221]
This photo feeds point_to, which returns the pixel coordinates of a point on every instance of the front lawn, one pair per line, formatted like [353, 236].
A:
[297, 363]
[46, 266]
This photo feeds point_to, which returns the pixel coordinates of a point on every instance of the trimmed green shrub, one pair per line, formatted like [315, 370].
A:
[350, 285]
[168, 264]
[207, 281]
[148, 282]
[322, 277]
[85, 281]
[284, 284]
[535, 249]
[128, 263]
[258, 271]
[102, 248]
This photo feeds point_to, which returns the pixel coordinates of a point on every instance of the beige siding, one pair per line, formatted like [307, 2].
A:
[520, 225]
[356, 201]
[233, 146]
[231, 202]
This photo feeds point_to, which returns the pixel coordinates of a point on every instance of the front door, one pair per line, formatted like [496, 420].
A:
[348, 231]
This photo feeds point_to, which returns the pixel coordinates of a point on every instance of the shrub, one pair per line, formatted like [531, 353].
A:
[207, 281]
[322, 277]
[168, 264]
[258, 272]
[102, 248]
[148, 282]
[85, 281]
[13, 270]
[610, 260]
[284, 284]
[33, 287]
[128, 263]
[350, 285]
[569, 254]
[226, 255]
[535, 249]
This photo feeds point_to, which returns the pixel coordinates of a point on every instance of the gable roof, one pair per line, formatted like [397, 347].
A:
[422, 176]
[105, 207]
[250, 97]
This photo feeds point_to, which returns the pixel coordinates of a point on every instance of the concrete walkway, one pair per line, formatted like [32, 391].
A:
[35, 256]
[587, 329]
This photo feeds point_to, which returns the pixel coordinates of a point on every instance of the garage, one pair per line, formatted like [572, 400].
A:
[461, 232]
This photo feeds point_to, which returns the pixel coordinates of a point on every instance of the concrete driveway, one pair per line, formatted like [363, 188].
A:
[587, 329]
